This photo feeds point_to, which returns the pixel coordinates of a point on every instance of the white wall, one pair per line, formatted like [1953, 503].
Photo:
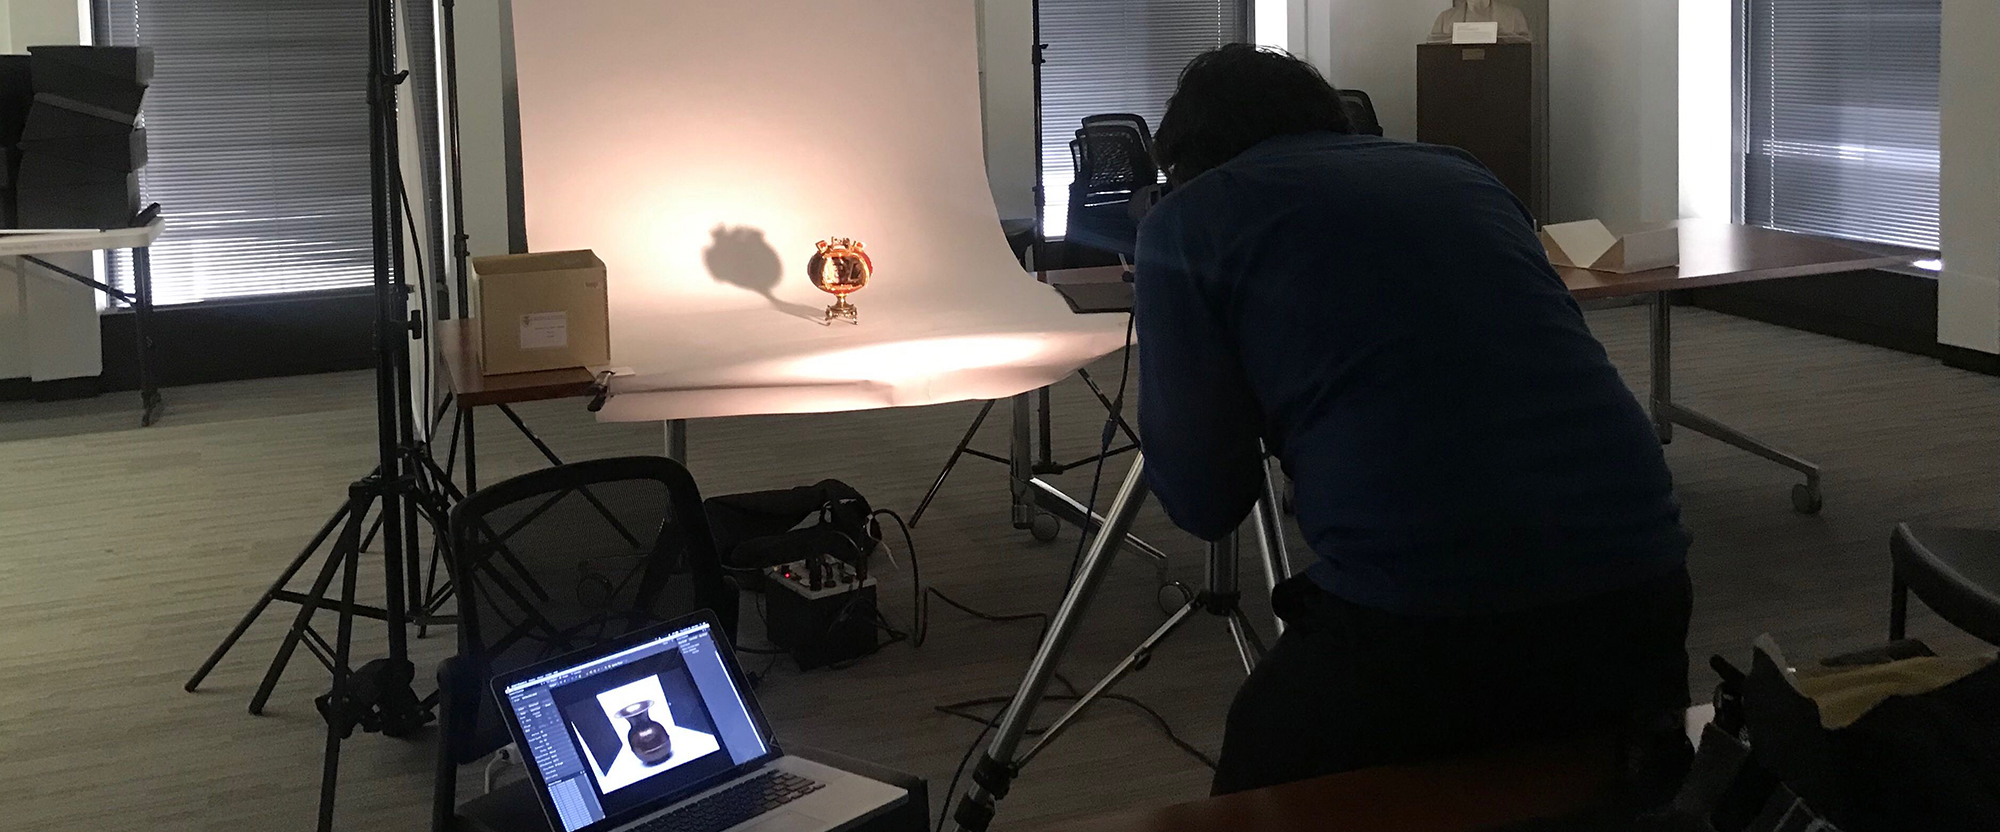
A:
[1969, 287]
[1707, 99]
[48, 325]
[1007, 87]
[1614, 111]
[1371, 45]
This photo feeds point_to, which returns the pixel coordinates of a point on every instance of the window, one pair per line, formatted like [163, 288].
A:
[1117, 56]
[1840, 118]
[257, 127]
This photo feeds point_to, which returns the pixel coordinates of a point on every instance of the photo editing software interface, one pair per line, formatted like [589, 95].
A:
[617, 732]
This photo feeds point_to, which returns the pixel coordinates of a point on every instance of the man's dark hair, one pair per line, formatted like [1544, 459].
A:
[1233, 98]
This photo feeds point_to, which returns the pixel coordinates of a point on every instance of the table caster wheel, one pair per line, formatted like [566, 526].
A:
[1045, 527]
[1172, 596]
[1806, 498]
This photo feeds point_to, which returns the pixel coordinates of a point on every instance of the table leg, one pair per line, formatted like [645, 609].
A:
[470, 415]
[1020, 461]
[677, 441]
[142, 317]
[1806, 497]
[1662, 335]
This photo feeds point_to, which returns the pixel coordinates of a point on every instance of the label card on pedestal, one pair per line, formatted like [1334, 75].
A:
[1488, 32]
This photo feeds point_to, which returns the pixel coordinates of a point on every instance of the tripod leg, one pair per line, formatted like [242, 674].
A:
[950, 464]
[1249, 647]
[1270, 530]
[349, 542]
[343, 649]
[263, 603]
[1133, 662]
[995, 774]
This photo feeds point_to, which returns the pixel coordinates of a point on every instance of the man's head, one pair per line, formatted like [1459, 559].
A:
[1233, 98]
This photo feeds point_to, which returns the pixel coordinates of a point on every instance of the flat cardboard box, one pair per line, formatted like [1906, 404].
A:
[546, 311]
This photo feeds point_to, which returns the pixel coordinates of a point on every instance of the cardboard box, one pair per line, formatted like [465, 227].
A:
[545, 311]
[1590, 245]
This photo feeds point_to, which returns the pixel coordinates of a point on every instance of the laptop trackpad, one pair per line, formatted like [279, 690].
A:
[785, 821]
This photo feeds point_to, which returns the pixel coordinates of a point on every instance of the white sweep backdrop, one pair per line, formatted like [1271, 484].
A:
[701, 147]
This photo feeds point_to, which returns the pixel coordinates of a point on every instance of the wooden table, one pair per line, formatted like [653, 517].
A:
[1722, 254]
[1541, 783]
[1712, 254]
[471, 388]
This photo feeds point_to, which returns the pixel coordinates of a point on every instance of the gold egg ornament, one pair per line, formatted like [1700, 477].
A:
[840, 268]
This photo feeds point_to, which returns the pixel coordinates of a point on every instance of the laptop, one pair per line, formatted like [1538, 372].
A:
[657, 732]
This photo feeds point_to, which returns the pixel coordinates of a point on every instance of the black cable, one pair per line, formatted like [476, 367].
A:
[1104, 447]
[959, 709]
[424, 300]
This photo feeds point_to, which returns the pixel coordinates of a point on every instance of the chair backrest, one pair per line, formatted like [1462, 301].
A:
[559, 559]
[1113, 159]
[1361, 112]
[1132, 120]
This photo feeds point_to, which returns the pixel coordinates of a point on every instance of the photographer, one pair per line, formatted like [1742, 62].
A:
[1500, 558]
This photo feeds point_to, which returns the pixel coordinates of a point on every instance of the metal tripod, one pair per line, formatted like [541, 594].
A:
[1003, 760]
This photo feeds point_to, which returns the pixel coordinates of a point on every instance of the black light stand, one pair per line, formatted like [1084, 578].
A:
[403, 486]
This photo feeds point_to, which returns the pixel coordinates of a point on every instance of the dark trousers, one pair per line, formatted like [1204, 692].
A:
[1349, 687]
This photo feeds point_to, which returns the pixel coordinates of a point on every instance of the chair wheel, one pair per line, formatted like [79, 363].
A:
[1172, 596]
[1045, 527]
[1806, 499]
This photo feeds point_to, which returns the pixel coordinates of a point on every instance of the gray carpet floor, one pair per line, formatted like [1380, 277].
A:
[125, 555]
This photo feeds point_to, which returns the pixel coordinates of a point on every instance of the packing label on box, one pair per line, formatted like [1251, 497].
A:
[545, 331]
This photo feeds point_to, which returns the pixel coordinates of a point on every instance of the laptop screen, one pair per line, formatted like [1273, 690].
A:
[618, 732]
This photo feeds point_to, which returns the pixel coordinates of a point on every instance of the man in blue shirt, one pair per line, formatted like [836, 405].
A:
[1500, 557]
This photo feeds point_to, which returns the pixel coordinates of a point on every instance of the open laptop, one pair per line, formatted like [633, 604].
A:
[657, 732]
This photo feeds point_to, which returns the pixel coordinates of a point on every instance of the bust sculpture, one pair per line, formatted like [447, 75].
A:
[1513, 23]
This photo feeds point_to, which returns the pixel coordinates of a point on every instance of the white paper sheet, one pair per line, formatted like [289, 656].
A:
[702, 147]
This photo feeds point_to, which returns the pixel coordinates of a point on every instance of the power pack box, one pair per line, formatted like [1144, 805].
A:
[546, 311]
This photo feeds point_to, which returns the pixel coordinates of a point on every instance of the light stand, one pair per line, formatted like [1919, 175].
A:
[994, 775]
[378, 696]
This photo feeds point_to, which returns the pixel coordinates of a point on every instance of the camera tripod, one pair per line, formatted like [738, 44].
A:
[994, 775]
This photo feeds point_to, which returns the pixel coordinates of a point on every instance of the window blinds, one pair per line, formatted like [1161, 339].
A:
[1840, 116]
[257, 126]
[1117, 56]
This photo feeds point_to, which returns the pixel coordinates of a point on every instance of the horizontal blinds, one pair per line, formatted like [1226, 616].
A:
[1117, 56]
[257, 130]
[1841, 118]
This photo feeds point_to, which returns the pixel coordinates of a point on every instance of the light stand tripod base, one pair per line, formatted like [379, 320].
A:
[993, 777]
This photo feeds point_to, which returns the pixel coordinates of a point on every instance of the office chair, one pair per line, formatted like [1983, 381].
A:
[1361, 112]
[1129, 120]
[1955, 572]
[550, 562]
[1114, 162]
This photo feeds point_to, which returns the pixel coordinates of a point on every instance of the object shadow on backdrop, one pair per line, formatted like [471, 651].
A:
[739, 256]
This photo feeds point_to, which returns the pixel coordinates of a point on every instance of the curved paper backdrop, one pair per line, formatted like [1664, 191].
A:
[701, 147]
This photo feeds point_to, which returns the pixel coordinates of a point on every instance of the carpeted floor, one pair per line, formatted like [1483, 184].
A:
[125, 555]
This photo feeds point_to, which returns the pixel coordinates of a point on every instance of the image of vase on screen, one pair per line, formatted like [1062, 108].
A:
[632, 729]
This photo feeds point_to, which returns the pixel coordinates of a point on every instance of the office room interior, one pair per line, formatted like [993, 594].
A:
[1061, 414]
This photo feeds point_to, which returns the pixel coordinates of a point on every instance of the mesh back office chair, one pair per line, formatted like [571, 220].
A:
[1113, 161]
[1131, 121]
[553, 561]
[1361, 112]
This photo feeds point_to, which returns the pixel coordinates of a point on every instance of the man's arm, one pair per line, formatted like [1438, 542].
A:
[1199, 420]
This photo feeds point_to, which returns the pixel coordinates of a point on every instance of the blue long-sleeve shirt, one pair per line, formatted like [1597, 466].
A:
[1382, 316]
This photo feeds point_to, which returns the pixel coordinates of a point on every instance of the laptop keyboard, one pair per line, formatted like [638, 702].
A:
[734, 805]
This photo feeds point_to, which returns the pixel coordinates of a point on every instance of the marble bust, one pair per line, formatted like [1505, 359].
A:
[1513, 23]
